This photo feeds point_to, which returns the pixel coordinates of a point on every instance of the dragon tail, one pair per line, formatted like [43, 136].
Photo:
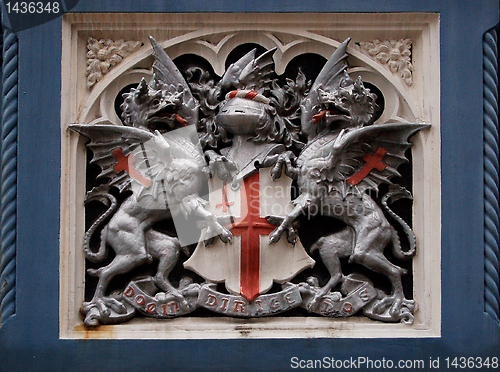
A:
[397, 192]
[109, 201]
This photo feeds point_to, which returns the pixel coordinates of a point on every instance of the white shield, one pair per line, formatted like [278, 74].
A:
[250, 265]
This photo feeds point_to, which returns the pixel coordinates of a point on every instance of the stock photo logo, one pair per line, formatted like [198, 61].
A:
[22, 15]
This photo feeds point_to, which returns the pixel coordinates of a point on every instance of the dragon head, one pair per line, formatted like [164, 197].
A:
[351, 104]
[153, 106]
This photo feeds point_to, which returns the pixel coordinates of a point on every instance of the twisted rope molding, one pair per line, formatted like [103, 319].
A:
[8, 194]
[491, 178]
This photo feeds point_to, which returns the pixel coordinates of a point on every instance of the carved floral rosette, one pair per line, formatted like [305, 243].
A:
[104, 54]
[395, 54]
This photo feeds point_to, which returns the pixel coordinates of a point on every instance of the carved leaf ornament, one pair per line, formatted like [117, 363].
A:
[104, 54]
[395, 54]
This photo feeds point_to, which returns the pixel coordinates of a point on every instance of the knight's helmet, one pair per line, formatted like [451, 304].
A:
[246, 106]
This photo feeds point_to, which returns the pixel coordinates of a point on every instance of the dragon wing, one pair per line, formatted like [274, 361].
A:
[328, 79]
[182, 143]
[250, 72]
[111, 146]
[233, 72]
[364, 157]
[335, 69]
[128, 154]
[167, 72]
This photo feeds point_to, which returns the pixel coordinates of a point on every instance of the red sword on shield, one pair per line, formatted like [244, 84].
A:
[250, 226]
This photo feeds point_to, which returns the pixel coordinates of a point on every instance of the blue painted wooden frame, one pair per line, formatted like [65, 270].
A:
[29, 334]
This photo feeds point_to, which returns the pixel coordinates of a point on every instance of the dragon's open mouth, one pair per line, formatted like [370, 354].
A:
[332, 113]
[162, 120]
[166, 112]
[336, 113]
[333, 109]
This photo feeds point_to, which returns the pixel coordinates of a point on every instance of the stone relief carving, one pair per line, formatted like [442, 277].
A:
[104, 54]
[394, 54]
[277, 156]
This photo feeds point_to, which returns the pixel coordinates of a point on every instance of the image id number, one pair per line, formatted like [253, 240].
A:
[469, 363]
[32, 7]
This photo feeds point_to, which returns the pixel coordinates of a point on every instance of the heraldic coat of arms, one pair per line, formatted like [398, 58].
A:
[245, 197]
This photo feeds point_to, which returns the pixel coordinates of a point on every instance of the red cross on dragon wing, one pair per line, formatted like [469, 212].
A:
[363, 157]
[112, 147]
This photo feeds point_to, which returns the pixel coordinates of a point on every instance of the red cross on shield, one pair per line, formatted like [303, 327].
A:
[250, 265]
[250, 226]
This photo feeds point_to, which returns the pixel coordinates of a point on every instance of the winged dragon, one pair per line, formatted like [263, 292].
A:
[346, 157]
[174, 174]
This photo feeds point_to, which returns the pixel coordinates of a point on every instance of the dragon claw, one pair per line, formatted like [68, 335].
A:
[222, 166]
[106, 304]
[94, 272]
[291, 236]
[313, 304]
[182, 300]
[276, 171]
[274, 237]
[392, 308]
[101, 310]
[209, 241]
[226, 236]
